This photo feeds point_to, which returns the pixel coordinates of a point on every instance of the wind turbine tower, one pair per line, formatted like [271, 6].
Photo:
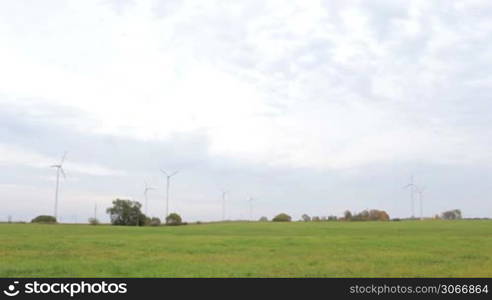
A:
[59, 170]
[146, 190]
[420, 191]
[168, 182]
[251, 208]
[224, 193]
[412, 188]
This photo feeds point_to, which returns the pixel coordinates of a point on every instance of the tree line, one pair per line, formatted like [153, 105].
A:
[127, 212]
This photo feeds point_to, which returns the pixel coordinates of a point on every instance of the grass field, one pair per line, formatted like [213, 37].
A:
[319, 249]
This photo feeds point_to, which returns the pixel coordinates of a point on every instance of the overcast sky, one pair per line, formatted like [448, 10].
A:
[307, 106]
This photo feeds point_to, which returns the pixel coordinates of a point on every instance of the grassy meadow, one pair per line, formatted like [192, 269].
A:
[315, 249]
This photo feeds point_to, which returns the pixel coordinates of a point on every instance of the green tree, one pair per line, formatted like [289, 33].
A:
[154, 221]
[347, 215]
[173, 219]
[306, 218]
[93, 221]
[454, 214]
[44, 219]
[282, 218]
[126, 212]
[371, 215]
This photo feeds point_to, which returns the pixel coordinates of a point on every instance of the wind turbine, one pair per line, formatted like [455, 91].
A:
[420, 191]
[251, 208]
[224, 193]
[412, 188]
[59, 170]
[168, 182]
[146, 190]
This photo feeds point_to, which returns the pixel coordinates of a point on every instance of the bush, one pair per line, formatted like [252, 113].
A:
[316, 219]
[173, 219]
[93, 221]
[44, 219]
[282, 218]
[155, 221]
[263, 219]
[306, 218]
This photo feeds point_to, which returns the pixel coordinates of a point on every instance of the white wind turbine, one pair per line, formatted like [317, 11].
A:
[168, 182]
[251, 208]
[420, 191]
[412, 188]
[224, 193]
[59, 170]
[146, 190]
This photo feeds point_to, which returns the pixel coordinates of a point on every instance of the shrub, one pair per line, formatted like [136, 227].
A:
[316, 219]
[332, 218]
[306, 218]
[93, 221]
[155, 221]
[263, 219]
[44, 219]
[282, 218]
[173, 219]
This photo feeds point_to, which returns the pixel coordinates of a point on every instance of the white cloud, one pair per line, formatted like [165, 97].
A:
[15, 156]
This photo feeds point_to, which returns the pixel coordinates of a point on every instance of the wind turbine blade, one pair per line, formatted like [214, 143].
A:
[63, 172]
[63, 157]
[175, 172]
[164, 172]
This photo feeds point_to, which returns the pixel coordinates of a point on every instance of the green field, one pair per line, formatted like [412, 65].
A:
[315, 249]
